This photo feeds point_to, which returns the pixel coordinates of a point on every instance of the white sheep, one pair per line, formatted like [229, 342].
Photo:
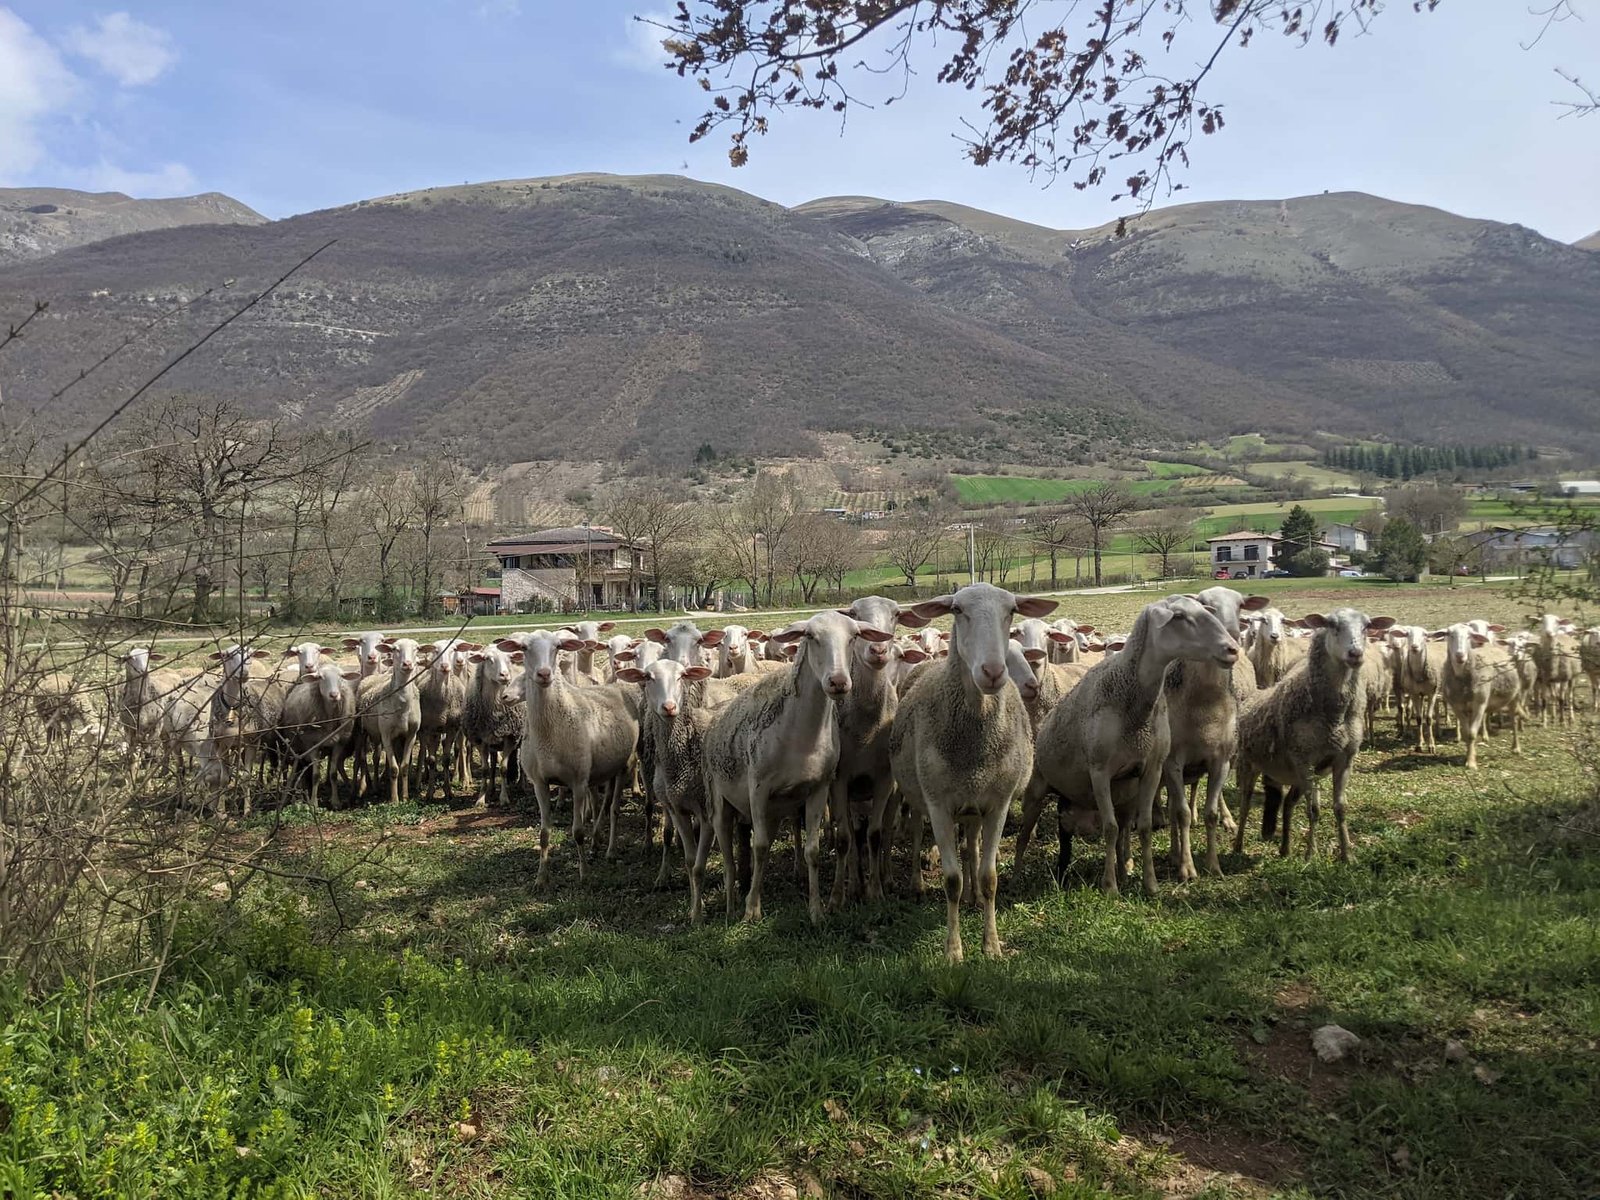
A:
[583, 738]
[1479, 679]
[772, 753]
[1106, 743]
[317, 720]
[1311, 723]
[390, 712]
[960, 747]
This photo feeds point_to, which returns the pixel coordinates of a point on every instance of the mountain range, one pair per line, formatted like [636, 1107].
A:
[35, 222]
[597, 316]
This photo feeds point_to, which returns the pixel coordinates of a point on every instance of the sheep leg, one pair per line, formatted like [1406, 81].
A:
[582, 802]
[1181, 808]
[696, 863]
[1247, 787]
[1064, 831]
[844, 842]
[883, 795]
[944, 835]
[1033, 802]
[1341, 772]
[760, 849]
[994, 823]
[1216, 774]
[816, 809]
[723, 824]
[1289, 798]
[541, 793]
[1313, 812]
[615, 803]
[918, 821]
[968, 832]
[1101, 782]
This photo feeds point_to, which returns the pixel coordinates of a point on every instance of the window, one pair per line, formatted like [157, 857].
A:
[1252, 553]
[1224, 553]
[511, 560]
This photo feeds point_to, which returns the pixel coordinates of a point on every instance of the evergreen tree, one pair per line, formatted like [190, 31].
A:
[1402, 553]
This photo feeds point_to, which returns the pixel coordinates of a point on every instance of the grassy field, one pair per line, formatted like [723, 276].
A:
[453, 1031]
[1173, 470]
[1316, 475]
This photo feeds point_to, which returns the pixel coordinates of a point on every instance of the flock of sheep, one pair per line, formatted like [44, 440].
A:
[837, 724]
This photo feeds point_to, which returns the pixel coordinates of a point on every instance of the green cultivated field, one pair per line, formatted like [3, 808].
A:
[1173, 470]
[456, 1032]
[979, 490]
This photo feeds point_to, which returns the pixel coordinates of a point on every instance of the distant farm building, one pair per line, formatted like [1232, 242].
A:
[579, 567]
[1579, 487]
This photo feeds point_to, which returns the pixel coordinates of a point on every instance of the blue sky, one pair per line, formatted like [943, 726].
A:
[293, 106]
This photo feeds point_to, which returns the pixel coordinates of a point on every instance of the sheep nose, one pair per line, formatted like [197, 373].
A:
[669, 708]
[993, 675]
[839, 683]
[542, 674]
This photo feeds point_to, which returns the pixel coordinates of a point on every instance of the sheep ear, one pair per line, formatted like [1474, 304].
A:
[1035, 606]
[695, 674]
[1085, 628]
[656, 635]
[710, 639]
[508, 644]
[1055, 635]
[349, 644]
[1479, 639]
[605, 625]
[1016, 635]
[593, 645]
[758, 635]
[216, 656]
[1311, 621]
[910, 619]
[847, 612]
[260, 654]
[632, 675]
[914, 656]
[291, 652]
[517, 657]
[572, 643]
[625, 656]
[874, 635]
[1497, 629]
[154, 657]
[474, 658]
[792, 634]
[1380, 623]
[1251, 603]
[1438, 635]
[939, 606]
[1034, 656]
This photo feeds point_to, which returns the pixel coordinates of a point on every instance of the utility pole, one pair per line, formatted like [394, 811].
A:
[972, 554]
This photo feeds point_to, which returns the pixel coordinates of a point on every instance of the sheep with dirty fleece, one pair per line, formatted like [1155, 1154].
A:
[318, 720]
[1104, 747]
[1480, 680]
[493, 717]
[960, 748]
[1311, 723]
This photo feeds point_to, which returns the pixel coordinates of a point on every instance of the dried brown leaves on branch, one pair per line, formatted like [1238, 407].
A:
[1066, 88]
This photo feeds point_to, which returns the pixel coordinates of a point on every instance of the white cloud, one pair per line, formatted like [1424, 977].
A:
[642, 49]
[34, 83]
[170, 179]
[130, 51]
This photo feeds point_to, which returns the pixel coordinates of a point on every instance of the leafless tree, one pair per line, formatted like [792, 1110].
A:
[655, 513]
[1165, 533]
[914, 537]
[438, 488]
[1101, 508]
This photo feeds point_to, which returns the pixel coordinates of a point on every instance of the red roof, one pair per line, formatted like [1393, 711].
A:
[484, 591]
[1246, 535]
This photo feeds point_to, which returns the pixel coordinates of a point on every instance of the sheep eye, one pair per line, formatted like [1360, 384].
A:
[955, 610]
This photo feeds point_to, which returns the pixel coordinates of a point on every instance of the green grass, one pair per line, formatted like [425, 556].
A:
[465, 1034]
[982, 490]
[1314, 474]
[1173, 470]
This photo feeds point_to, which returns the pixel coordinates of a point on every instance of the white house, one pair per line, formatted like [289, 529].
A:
[1579, 487]
[1243, 555]
[1338, 536]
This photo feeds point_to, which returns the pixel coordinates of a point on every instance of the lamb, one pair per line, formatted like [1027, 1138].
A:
[1557, 654]
[493, 716]
[1421, 673]
[318, 719]
[581, 737]
[960, 749]
[1107, 742]
[391, 713]
[1203, 701]
[1478, 679]
[865, 718]
[774, 750]
[1312, 722]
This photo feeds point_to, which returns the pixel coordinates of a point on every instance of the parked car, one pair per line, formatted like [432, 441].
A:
[1241, 574]
[1352, 573]
[1276, 573]
[1221, 573]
